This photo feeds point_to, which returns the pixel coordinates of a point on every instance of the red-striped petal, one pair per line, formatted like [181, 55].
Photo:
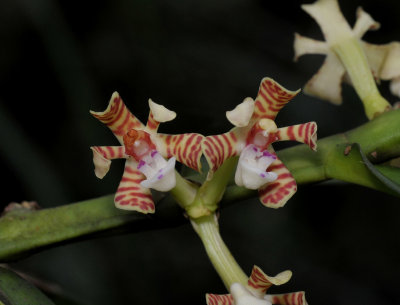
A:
[259, 282]
[277, 193]
[130, 194]
[102, 156]
[219, 299]
[186, 148]
[304, 133]
[271, 98]
[292, 298]
[219, 148]
[118, 118]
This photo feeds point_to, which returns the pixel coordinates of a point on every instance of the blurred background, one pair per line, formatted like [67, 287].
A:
[60, 59]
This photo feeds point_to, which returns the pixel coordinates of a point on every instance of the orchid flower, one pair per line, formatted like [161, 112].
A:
[258, 166]
[145, 152]
[254, 293]
[347, 57]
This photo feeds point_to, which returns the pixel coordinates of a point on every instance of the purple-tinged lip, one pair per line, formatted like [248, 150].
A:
[141, 163]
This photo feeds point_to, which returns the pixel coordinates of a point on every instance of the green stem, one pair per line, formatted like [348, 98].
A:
[23, 232]
[354, 59]
[184, 192]
[210, 193]
[218, 253]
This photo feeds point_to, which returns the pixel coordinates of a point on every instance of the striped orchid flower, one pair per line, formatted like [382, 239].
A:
[150, 156]
[251, 139]
[254, 293]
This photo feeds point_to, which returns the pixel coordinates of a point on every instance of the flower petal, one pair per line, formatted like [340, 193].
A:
[251, 170]
[259, 282]
[186, 148]
[158, 114]
[364, 23]
[277, 193]
[271, 98]
[395, 86]
[304, 45]
[219, 148]
[326, 83]
[118, 118]
[241, 115]
[164, 180]
[293, 298]
[304, 133]
[219, 299]
[330, 19]
[242, 296]
[130, 194]
[102, 156]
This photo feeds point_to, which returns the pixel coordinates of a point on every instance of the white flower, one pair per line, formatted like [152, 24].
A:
[251, 170]
[243, 296]
[160, 173]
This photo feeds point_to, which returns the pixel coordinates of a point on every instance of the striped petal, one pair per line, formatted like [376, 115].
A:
[219, 148]
[118, 118]
[293, 298]
[130, 194]
[271, 98]
[102, 156]
[158, 114]
[259, 282]
[219, 299]
[277, 193]
[186, 148]
[304, 133]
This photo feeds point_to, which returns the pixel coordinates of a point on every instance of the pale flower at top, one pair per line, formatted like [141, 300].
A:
[258, 166]
[150, 156]
[341, 63]
[254, 292]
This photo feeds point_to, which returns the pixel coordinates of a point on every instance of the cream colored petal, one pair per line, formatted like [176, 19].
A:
[160, 113]
[241, 115]
[384, 60]
[391, 65]
[364, 23]
[304, 45]
[395, 86]
[376, 56]
[329, 17]
[101, 164]
[326, 83]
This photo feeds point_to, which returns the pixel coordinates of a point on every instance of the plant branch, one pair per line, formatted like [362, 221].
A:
[23, 232]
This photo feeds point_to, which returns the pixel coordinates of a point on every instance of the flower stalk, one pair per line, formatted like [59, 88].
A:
[353, 58]
[221, 258]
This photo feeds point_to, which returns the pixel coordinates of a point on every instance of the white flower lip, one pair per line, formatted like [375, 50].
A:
[160, 173]
[251, 169]
[243, 296]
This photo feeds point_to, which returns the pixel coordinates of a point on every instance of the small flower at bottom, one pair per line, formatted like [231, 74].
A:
[150, 156]
[258, 166]
[254, 293]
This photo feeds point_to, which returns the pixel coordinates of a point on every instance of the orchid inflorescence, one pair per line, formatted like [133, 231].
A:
[348, 58]
[151, 156]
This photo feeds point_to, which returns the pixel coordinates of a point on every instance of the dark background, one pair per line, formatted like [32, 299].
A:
[59, 59]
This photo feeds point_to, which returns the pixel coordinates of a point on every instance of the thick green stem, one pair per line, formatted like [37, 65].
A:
[210, 193]
[218, 253]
